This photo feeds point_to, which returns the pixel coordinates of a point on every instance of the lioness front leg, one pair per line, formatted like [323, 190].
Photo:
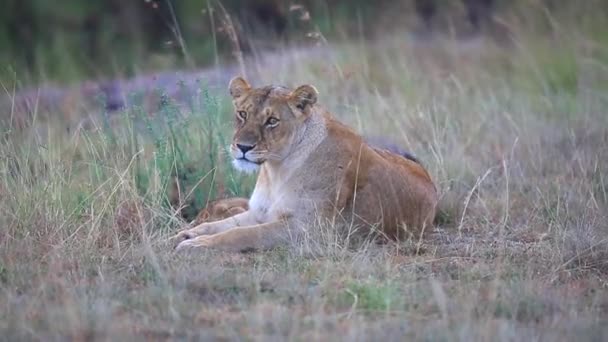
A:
[256, 237]
[243, 219]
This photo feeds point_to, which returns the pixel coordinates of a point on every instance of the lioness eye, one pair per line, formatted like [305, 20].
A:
[271, 122]
[242, 114]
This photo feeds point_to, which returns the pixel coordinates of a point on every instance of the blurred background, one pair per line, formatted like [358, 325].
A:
[68, 40]
[96, 47]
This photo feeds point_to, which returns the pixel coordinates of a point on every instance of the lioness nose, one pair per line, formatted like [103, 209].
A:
[245, 148]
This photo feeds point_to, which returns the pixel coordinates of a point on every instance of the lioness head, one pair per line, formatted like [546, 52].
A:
[267, 121]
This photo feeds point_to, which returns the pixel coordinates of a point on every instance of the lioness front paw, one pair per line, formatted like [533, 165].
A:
[184, 235]
[201, 241]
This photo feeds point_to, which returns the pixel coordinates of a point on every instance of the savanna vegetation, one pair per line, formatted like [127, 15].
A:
[509, 116]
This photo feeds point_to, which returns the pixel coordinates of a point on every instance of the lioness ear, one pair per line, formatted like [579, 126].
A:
[304, 96]
[238, 86]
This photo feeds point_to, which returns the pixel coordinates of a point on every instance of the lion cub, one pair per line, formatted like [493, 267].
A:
[221, 209]
[312, 169]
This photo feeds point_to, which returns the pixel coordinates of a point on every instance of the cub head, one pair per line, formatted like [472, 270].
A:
[267, 121]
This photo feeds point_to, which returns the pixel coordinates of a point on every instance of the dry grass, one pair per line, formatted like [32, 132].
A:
[516, 138]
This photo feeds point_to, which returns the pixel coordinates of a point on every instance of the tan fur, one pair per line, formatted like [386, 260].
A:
[221, 209]
[313, 168]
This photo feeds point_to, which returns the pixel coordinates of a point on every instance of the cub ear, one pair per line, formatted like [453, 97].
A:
[304, 96]
[238, 86]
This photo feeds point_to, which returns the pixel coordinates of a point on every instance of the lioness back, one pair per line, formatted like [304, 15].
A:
[387, 191]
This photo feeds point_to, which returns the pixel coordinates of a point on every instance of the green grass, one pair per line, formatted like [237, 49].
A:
[514, 136]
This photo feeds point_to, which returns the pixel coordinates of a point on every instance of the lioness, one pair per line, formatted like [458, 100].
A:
[311, 167]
